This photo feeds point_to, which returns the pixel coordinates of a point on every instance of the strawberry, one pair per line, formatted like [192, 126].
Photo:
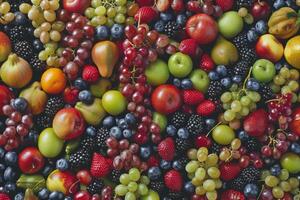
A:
[70, 95]
[146, 14]
[232, 195]
[4, 196]
[206, 108]
[256, 123]
[173, 180]
[142, 3]
[206, 63]
[192, 97]
[166, 149]
[189, 47]
[225, 4]
[229, 171]
[90, 74]
[100, 166]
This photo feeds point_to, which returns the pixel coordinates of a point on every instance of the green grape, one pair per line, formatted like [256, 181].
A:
[43, 55]
[202, 150]
[297, 197]
[33, 13]
[124, 179]
[229, 115]
[213, 195]
[55, 36]
[120, 18]
[54, 5]
[209, 185]
[202, 157]
[58, 26]
[277, 192]
[122, 9]
[51, 61]
[200, 190]
[286, 89]
[245, 111]
[275, 88]
[121, 190]
[121, 2]
[285, 186]
[234, 87]
[200, 173]
[109, 22]
[294, 97]
[254, 96]
[294, 182]
[98, 20]
[271, 181]
[293, 85]
[36, 2]
[191, 175]
[96, 3]
[284, 175]
[226, 106]
[212, 160]
[143, 189]
[278, 80]
[226, 97]
[89, 12]
[252, 106]
[130, 21]
[213, 172]
[192, 166]
[132, 186]
[218, 183]
[285, 72]
[134, 174]
[100, 11]
[145, 180]
[264, 174]
[4, 7]
[245, 101]
[294, 74]
[24, 8]
[236, 106]
[111, 12]
[49, 15]
[130, 196]
[196, 182]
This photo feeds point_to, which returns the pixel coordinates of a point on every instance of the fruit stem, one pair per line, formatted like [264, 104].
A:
[262, 188]
[72, 186]
[213, 128]
[247, 78]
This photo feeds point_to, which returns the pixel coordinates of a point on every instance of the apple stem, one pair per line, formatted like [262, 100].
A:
[213, 128]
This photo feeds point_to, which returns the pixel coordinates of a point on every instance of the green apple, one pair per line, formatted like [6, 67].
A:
[100, 87]
[157, 73]
[114, 102]
[152, 195]
[161, 120]
[223, 134]
[230, 24]
[291, 162]
[49, 144]
[263, 70]
[200, 80]
[180, 65]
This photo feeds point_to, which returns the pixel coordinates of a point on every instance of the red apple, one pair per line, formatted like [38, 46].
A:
[256, 123]
[5, 46]
[84, 177]
[77, 6]
[82, 195]
[68, 123]
[30, 160]
[295, 123]
[62, 181]
[166, 99]
[260, 10]
[202, 28]
[5, 96]
[202, 141]
[177, 5]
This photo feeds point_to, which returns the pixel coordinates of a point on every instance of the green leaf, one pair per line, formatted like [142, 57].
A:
[292, 15]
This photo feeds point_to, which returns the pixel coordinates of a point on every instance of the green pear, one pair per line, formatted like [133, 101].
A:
[36, 97]
[99, 88]
[157, 73]
[34, 182]
[29, 195]
[224, 52]
[94, 113]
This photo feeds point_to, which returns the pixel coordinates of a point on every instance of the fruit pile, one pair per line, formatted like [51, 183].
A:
[149, 99]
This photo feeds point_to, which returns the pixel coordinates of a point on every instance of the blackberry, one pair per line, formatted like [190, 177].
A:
[248, 175]
[214, 90]
[43, 121]
[195, 125]
[37, 64]
[238, 184]
[54, 104]
[101, 137]
[80, 159]
[241, 41]
[179, 119]
[248, 55]
[182, 145]
[183, 161]
[252, 144]
[244, 3]
[115, 175]
[266, 92]
[17, 33]
[88, 143]
[241, 68]
[24, 50]
[175, 195]
[157, 186]
[215, 148]
[171, 28]
[95, 187]
[14, 4]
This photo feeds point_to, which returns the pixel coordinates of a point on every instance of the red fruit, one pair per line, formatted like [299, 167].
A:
[84, 177]
[140, 138]
[192, 97]
[70, 95]
[202, 141]
[225, 4]
[82, 195]
[99, 167]
[146, 14]
[232, 195]
[5, 96]
[177, 5]
[90, 74]
[142, 3]
[166, 149]
[153, 161]
[286, 196]
[189, 47]
[206, 63]
[76, 6]
[5, 46]
[194, 6]
[163, 5]
[4, 196]
[260, 10]
[206, 108]
[173, 180]
[30, 160]
[256, 123]
[295, 123]
[229, 171]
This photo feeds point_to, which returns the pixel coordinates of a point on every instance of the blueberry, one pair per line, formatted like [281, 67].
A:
[68, 198]
[171, 130]
[11, 158]
[210, 123]
[80, 84]
[86, 97]
[251, 190]
[19, 196]
[221, 70]
[20, 18]
[62, 164]
[165, 164]
[177, 82]
[188, 13]
[275, 170]
[181, 19]
[278, 4]
[237, 79]
[109, 122]
[2, 189]
[91, 131]
[127, 133]
[145, 152]
[183, 133]
[60, 196]
[291, 4]
[189, 187]
[43, 194]
[278, 66]
[255, 85]
[115, 132]
[117, 31]
[2, 167]
[159, 26]
[226, 82]
[295, 147]
[102, 32]
[130, 118]
[154, 173]
[243, 136]
[37, 45]
[10, 187]
[213, 76]
[177, 165]
[20, 104]
[261, 27]
[33, 137]
[166, 16]
[252, 36]
[2, 153]
[122, 124]
[54, 195]
[249, 84]
[47, 170]
[186, 84]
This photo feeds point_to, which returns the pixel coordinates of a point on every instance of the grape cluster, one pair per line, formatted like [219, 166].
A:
[18, 124]
[133, 185]
[204, 173]
[6, 15]
[206, 7]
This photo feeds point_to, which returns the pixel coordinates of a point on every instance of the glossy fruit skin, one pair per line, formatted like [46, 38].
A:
[76, 6]
[202, 28]
[223, 134]
[114, 102]
[30, 160]
[295, 123]
[5, 96]
[5, 46]
[255, 124]
[200, 80]
[82, 195]
[291, 162]
[180, 65]
[53, 81]
[260, 10]
[230, 24]
[49, 144]
[157, 73]
[263, 70]
[84, 176]
[292, 52]
[166, 99]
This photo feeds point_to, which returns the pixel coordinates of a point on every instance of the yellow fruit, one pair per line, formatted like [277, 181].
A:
[292, 52]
